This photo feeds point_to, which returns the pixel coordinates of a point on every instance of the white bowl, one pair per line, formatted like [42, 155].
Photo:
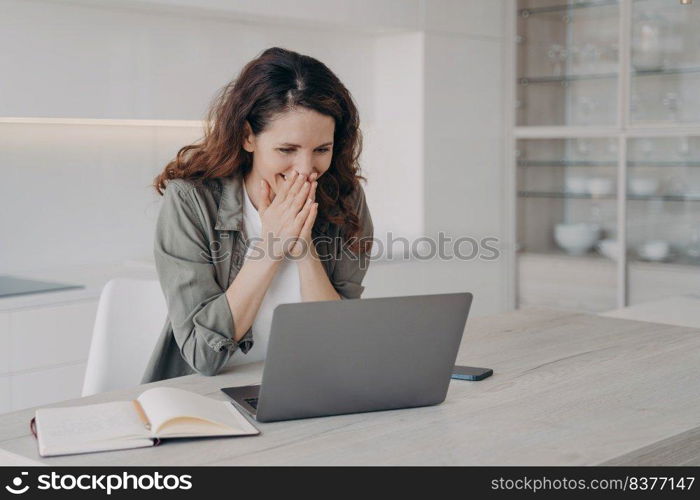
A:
[578, 238]
[576, 185]
[654, 250]
[600, 186]
[609, 248]
[643, 186]
[693, 251]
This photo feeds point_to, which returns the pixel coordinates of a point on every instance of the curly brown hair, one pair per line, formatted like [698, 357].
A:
[277, 81]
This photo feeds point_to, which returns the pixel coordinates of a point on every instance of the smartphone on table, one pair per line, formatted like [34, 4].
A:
[471, 373]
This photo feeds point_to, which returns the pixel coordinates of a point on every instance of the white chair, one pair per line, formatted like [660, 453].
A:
[130, 317]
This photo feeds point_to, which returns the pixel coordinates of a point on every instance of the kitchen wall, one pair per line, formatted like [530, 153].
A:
[464, 179]
[426, 76]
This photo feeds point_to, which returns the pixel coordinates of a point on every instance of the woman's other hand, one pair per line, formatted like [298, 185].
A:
[304, 245]
[284, 218]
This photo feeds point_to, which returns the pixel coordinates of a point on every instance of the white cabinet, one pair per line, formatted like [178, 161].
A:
[45, 337]
[605, 153]
[4, 344]
[46, 386]
[48, 336]
[585, 284]
[44, 352]
[649, 281]
[5, 401]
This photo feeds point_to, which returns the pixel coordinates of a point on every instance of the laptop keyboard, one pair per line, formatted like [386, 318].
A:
[252, 402]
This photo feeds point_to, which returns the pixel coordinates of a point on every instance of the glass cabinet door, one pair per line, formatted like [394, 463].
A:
[567, 223]
[664, 63]
[663, 217]
[567, 62]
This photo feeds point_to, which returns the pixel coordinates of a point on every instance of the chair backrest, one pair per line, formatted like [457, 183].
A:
[130, 317]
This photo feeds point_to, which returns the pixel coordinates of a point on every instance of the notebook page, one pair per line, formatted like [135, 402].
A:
[162, 404]
[82, 428]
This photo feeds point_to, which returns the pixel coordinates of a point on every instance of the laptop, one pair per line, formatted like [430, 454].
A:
[358, 355]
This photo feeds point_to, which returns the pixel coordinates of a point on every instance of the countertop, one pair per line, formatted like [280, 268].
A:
[92, 277]
[567, 389]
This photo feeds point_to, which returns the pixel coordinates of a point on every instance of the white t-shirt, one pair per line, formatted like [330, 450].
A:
[284, 289]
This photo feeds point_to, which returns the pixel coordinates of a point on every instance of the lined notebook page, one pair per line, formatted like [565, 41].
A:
[162, 404]
[87, 428]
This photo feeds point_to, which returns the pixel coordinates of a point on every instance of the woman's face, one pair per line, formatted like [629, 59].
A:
[301, 140]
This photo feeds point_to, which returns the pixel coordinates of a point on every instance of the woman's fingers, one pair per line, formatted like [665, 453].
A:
[302, 225]
[310, 219]
[300, 197]
[286, 186]
[293, 205]
[301, 217]
[299, 182]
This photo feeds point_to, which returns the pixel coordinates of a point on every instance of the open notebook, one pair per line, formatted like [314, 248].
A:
[162, 412]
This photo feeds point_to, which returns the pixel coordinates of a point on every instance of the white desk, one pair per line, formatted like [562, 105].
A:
[569, 389]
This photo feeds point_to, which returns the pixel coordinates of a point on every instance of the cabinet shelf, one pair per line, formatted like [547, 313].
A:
[580, 163]
[557, 253]
[562, 194]
[527, 80]
[566, 163]
[565, 7]
[667, 71]
[677, 262]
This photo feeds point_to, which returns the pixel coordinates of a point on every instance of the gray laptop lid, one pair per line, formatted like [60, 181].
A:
[349, 356]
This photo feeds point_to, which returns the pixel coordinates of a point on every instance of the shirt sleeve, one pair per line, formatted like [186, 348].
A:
[350, 268]
[198, 308]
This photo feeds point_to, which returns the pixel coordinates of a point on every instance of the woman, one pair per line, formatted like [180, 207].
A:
[266, 209]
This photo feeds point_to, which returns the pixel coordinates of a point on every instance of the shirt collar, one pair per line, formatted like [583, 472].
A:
[230, 214]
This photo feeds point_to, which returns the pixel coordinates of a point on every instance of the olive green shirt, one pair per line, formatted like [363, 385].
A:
[199, 247]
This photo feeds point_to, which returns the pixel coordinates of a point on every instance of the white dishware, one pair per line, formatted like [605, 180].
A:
[671, 101]
[609, 248]
[583, 147]
[586, 107]
[601, 186]
[648, 32]
[590, 55]
[576, 185]
[557, 55]
[577, 238]
[643, 186]
[692, 249]
[654, 250]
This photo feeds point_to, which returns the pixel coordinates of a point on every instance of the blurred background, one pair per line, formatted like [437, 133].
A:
[568, 131]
